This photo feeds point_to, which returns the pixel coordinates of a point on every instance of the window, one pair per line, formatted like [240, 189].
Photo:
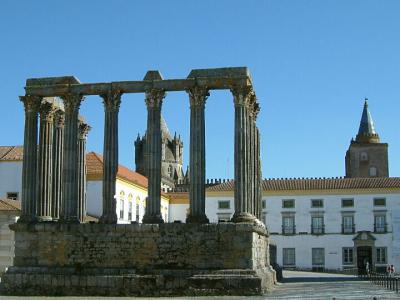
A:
[373, 172]
[224, 204]
[12, 195]
[121, 209]
[363, 156]
[317, 225]
[318, 256]
[379, 202]
[130, 211]
[380, 224]
[347, 202]
[317, 203]
[288, 225]
[288, 203]
[170, 171]
[289, 257]
[347, 255]
[348, 224]
[381, 255]
[137, 209]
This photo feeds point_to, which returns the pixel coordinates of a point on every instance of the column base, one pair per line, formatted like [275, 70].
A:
[108, 219]
[197, 219]
[243, 217]
[155, 219]
[27, 219]
[44, 218]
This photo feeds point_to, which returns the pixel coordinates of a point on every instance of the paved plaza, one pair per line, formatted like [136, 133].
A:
[297, 285]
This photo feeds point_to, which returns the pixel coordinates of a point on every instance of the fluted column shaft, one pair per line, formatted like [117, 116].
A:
[29, 165]
[83, 131]
[58, 147]
[197, 96]
[70, 164]
[242, 193]
[154, 100]
[45, 161]
[112, 101]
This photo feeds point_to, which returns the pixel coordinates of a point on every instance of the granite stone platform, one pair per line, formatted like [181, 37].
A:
[139, 260]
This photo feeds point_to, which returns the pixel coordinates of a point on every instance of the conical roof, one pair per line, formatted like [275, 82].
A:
[366, 131]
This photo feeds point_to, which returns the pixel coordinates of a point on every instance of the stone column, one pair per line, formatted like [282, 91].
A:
[154, 100]
[112, 101]
[83, 131]
[197, 214]
[58, 147]
[45, 162]
[259, 180]
[242, 97]
[29, 165]
[72, 103]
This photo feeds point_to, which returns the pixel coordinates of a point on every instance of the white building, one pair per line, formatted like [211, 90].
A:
[131, 192]
[11, 172]
[332, 223]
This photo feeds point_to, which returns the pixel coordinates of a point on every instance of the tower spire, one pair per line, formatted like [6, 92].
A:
[366, 131]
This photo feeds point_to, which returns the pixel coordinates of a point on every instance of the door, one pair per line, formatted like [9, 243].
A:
[364, 255]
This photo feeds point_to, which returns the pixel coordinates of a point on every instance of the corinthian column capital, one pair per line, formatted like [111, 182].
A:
[242, 95]
[83, 130]
[198, 95]
[59, 119]
[31, 103]
[154, 98]
[112, 100]
[72, 102]
[47, 111]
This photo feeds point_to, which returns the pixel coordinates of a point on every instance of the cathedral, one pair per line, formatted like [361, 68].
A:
[172, 172]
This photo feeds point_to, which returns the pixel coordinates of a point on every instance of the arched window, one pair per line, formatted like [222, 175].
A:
[363, 156]
[121, 205]
[373, 172]
[137, 209]
[130, 207]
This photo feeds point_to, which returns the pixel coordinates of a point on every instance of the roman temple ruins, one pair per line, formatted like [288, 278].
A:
[57, 253]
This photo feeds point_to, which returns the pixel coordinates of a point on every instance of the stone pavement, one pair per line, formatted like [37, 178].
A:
[297, 285]
[309, 285]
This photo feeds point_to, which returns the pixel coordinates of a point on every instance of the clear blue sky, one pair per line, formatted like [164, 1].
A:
[312, 63]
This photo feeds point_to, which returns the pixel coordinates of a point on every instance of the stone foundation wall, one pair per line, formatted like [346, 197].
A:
[178, 259]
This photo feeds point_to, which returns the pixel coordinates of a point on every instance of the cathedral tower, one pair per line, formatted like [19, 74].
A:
[367, 156]
[172, 157]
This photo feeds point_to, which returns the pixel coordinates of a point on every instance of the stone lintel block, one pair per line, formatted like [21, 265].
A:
[45, 81]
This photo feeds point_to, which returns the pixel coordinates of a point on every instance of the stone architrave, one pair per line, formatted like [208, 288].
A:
[112, 101]
[198, 96]
[29, 165]
[242, 196]
[154, 99]
[58, 147]
[83, 132]
[72, 103]
[45, 161]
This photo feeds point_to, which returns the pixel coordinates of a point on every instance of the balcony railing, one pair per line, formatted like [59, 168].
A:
[318, 229]
[380, 228]
[288, 229]
[348, 229]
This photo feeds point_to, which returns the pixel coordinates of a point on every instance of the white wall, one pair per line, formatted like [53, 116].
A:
[94, 200]
[333, 241]
[177, 212]
[11, 178]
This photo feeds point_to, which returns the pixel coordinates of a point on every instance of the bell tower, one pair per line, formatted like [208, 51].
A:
[367, 156]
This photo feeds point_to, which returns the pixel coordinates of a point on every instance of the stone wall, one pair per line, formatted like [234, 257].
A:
[180, 259]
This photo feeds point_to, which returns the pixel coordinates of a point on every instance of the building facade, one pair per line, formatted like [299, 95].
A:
[130, 196]
[172, 172]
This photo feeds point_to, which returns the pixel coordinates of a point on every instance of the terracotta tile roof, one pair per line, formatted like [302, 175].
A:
[10, 205]
[11, 153]
[318, 184]
[94, 163]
